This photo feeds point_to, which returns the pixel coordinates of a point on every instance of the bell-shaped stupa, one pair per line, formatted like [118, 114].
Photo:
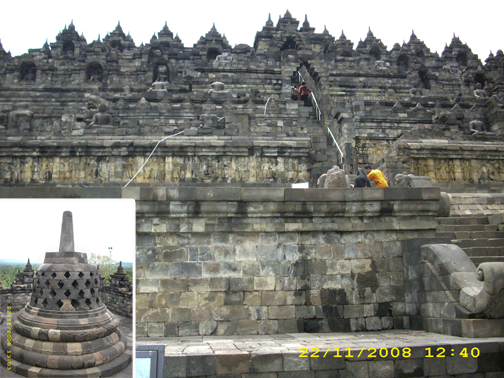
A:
[65, 330]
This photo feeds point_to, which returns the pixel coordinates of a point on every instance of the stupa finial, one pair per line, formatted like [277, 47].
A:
[67, 236]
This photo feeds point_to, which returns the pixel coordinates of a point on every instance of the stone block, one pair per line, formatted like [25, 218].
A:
[146, 240]
[187, 194]
[267, 327]
[374, 194]
[174, 366]
[373, 323]
[411, 367]
[358, 324]
[262, 194]
[353, 311]
[173, 285]
[174, 254]
[236, 363]
[361, 266]
[288, 326]
[269, 298]
[207, 327]
[305, 312]
[264, 283]
[155, 329]
[246, 252]
[233, 298]
[482, 327]
[281, 312]
[461, 365]
[218, 194]
[172, 194]
[355, 194]
[390, 294]
[252, 298]
[241, 284]
[133, 193]
[329, 362]
[171, 329]
[180, 314]
[258, 312]
[264, 363]
[269, 252]
[163, 300]
[292, 362]
[157, 270]
[250, 268]
[188, 329]
[434, 366]
[247, 327]
[201, 365]
[431, 193]
[285, 283]
[221, 253]
[225, 328]
[314, 195]
[186, 269]
[147, 286]
[147, 255]
[296, 297]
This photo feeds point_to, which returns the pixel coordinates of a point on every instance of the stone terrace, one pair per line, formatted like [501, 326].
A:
[277, 356]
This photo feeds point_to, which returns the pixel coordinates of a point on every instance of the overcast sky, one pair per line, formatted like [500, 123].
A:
[31, 227]
[27, 24]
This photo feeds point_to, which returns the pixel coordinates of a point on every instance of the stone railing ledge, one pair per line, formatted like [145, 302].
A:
[275, 194]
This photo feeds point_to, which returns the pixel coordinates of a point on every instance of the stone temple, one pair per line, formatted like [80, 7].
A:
[65, 330]
[237, 267]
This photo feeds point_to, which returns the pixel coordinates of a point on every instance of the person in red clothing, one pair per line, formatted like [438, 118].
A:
[304, 92]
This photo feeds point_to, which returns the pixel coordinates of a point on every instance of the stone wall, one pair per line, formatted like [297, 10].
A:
[16, 297]
[182, 159]
[118, 301]
[225, 261]
[449, 163]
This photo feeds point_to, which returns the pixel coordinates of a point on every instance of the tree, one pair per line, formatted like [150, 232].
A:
[105, 262]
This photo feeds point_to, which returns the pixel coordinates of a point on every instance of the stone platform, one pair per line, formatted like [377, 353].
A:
[125, 324]
[278, 356]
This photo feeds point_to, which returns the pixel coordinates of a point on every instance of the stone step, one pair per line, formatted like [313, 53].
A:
[471, 227]
[395, 353]
[463, 220]
[471, 234]
[462, 243]
[484, 251]
[481, 259]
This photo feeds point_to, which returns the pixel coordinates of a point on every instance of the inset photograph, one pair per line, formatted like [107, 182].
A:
[66, 273]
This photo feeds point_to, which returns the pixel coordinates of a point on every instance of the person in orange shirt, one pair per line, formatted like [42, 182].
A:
[377, 176]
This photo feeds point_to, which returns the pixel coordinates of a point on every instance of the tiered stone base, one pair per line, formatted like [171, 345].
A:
[45, 343]
[106, 370]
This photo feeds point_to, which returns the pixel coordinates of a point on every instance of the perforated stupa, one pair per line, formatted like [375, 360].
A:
[66, 330]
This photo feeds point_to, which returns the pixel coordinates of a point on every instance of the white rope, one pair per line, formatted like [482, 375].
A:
[301, 77]
[337, 145]
[143, 165]
[269, 98]
[317, 109]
